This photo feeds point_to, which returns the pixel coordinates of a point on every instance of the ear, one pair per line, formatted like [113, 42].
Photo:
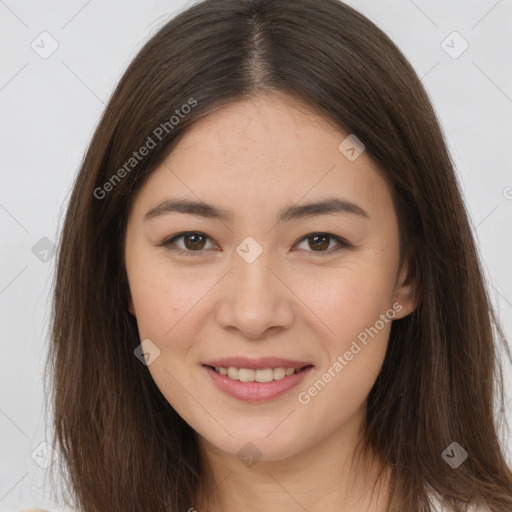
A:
[131, 307]
[406, 288]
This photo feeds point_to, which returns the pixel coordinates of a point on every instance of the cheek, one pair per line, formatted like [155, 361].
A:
[349, 300]
[358, 312]
[164, 295]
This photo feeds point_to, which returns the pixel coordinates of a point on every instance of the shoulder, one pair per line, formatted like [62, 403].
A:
[472, 508]
[440, 508]
[55, 508]
[33, 510]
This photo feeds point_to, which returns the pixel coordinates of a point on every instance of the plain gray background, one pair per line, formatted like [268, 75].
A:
[50, 107]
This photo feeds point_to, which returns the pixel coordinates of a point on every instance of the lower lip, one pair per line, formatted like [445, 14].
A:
[256, 391]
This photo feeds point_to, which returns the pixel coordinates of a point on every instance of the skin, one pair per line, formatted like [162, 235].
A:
[255, 158]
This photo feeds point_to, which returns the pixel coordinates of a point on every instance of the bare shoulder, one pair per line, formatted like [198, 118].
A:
[33, 510]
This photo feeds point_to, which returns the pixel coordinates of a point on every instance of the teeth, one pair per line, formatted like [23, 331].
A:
[264, 375]
[252, 375]
[280, 373]
[246, 375]
[233, 373]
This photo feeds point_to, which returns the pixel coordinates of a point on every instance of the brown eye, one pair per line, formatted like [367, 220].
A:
[192, 242]
[320, 242]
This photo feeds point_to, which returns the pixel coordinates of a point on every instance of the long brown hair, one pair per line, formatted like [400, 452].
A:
[123, 446]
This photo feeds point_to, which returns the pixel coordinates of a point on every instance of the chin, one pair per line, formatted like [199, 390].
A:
[258, 446]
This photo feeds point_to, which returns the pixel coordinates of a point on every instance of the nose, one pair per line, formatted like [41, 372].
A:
[255, 302]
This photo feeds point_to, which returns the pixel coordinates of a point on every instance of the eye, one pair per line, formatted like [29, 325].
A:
[194, 242]
[319, 242]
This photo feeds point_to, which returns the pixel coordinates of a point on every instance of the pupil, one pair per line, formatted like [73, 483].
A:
[194, 244]
[323, 245]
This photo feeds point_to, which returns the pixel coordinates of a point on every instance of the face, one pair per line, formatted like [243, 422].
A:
[259, 285]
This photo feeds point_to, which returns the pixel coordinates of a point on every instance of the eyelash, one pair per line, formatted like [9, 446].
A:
[168, 243]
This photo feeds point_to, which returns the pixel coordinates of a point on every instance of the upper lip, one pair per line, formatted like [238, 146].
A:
[256, 363]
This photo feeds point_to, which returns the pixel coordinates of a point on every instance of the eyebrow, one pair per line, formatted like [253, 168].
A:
[331, 205]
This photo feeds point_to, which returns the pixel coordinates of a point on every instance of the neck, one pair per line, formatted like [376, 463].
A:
[332, 474]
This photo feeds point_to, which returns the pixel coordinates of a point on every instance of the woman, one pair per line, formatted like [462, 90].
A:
[268, 295]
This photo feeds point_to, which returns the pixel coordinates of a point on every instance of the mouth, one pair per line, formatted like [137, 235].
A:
[261, 375]
[256, 380]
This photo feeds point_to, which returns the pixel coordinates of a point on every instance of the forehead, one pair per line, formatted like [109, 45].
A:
[270, 150]
[268, 127]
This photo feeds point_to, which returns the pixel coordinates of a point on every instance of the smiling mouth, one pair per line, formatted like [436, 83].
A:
[261, 375]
